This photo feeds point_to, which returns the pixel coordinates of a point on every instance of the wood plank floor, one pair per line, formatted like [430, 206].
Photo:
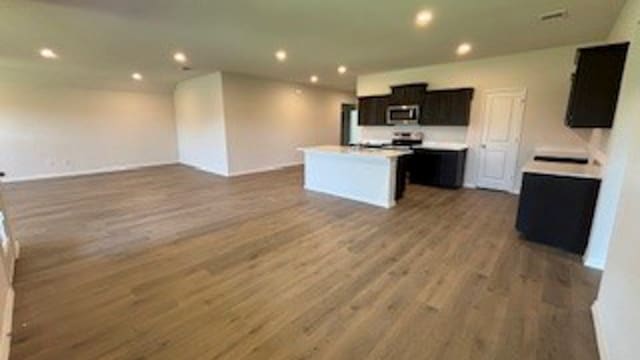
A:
[172, 263]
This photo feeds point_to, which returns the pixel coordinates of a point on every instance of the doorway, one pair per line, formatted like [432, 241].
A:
[345, 123]
[8, 255]
[498, 154]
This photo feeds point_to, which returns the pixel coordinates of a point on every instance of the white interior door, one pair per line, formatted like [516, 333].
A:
[504, 113]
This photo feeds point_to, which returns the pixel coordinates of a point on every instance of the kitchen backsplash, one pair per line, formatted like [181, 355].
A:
[431, 133]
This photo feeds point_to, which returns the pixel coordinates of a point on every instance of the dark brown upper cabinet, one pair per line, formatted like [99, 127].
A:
[410, 94]
[372, 110]
[450, 107]
[596, 86]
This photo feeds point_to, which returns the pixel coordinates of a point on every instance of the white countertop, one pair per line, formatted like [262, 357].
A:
[560, 152]
[354, 151]
[586, 171]
[432, 145]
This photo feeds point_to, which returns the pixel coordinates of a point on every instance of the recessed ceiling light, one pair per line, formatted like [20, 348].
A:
[180, 57]
[342, 69]
[423, 18]
[48, 54]
[281, 55]
[136, 76]
[464, 49]
[314, 79]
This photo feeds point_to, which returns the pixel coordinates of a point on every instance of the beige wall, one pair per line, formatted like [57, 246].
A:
[266, 121]
[623, 30]
[545, 74]
[200, 124]
[617, 310]
[47, 131]
[627, 22]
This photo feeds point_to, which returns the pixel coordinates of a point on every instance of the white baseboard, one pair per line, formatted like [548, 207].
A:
[474, 186]
[203, 169]
[7, 321]
[597, 264]
[265, 169]
[245, 172]
[597, 324]
[103, 170]
[111, 169]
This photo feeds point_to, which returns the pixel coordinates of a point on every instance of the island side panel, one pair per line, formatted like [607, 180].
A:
[366, 179]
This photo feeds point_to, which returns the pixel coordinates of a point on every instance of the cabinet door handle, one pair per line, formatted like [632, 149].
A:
[484, 146]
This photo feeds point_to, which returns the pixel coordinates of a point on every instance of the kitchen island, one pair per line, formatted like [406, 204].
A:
[360, 174]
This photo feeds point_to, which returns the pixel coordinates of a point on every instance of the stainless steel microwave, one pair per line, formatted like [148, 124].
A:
[403, 115]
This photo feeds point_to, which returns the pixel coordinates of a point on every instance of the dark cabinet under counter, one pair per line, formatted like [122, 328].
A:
[557, 210]
[437, 167]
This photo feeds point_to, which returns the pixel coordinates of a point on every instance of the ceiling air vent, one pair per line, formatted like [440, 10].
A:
[555, 15]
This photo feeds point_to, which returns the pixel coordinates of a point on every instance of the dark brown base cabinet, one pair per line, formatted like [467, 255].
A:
[442, 168]
[557, 210]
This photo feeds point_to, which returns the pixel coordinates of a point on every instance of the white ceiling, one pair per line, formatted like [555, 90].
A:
[101, 42]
